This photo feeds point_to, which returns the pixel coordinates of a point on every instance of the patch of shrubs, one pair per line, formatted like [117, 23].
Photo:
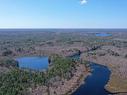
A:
[7, 53]
[8, 62]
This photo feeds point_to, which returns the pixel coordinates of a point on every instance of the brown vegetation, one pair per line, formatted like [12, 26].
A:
[117, 65]
[109, 51]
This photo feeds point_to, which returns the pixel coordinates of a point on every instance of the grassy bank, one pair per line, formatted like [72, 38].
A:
[115, 85]
[117, 64]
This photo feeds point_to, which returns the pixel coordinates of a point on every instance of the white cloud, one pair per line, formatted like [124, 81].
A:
[82, 2]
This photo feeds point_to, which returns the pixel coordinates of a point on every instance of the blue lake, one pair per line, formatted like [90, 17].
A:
[103, 34]
[33, 63]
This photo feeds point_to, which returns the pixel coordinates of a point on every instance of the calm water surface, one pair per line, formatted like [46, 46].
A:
[33, 63]
[95, 83]
[103, 34]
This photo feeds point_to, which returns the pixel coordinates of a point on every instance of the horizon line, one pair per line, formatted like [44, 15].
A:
[54, 28]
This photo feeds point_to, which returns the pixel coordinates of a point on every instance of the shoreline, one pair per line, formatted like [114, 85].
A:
[79, 83]
[116, 84]
[66, 87]
[72, 85]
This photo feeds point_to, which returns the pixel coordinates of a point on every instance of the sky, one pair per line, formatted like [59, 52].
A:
[63, 13]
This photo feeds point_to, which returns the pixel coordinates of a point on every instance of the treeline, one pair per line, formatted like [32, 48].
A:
[8, 62]
[17, 82]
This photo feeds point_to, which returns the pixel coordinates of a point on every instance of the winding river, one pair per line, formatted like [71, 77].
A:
[95, 83]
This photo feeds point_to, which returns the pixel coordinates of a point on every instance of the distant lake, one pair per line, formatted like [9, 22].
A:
[33, 63]
[103, 34]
